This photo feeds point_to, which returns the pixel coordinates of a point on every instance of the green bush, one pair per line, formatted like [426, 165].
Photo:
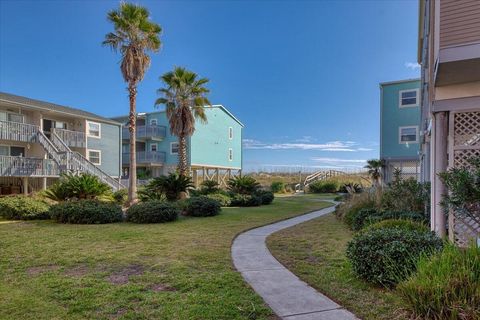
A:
[209, 187]
[243, 185]
[120, 196]
[77, 187]
[339, 198]
[152, 212]
[169, 187]
[323, 187]
[86, 212]
[364, 217]
[223, 199]
[202, 207]
[446, 285]
[397, 224]
[406, 195]
[277, 187]
[266, 196]
[354, 203]
[23, 208]
[387, 256]
[350, 188]
[245, 200]
[356, 220]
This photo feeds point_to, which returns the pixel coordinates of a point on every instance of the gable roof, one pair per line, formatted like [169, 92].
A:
[48, 106]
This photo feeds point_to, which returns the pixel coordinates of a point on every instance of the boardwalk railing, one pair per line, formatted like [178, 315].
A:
[28, 167]
[18, 131]
[71, 138]
[156, 157]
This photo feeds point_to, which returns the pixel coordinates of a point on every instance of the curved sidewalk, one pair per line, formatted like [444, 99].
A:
[287, 295]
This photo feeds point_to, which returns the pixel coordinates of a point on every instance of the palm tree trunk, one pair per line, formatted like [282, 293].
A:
[132, 183]
[182, 161]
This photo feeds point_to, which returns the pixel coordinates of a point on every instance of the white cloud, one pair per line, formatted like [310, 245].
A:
[337, 146]
[412, 65]
[305, 139]
[339, 160]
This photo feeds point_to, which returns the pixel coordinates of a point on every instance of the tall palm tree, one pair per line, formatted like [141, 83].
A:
[184, 97]
[374, 167]
[134, 35]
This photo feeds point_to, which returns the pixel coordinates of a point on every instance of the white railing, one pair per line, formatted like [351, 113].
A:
[146, 131]
[71, 138]
[49, 147]
[322, 175]
[28, 167]
[145, 157]
[18, 131]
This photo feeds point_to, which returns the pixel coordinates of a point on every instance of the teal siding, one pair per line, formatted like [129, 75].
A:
[393, 117]
[109, 145]
[164, 145]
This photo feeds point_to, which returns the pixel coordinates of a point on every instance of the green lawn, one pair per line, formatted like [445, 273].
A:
[179, 270]
[315, 252]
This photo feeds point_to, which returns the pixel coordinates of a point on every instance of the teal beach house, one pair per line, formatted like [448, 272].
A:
[214, 150]
[400, 131]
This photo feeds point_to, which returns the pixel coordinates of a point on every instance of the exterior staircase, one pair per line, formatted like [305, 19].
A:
[71, 161]
[319, 175]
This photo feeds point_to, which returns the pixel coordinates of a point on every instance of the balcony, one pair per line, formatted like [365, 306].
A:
[74, 139]
[146, 132]
[145, 157]
[17, 131]
[27, 167]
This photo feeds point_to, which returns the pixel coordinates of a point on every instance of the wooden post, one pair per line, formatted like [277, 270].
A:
[25, 186]
[44, 183]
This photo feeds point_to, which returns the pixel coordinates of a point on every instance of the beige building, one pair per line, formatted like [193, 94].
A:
[449, 53]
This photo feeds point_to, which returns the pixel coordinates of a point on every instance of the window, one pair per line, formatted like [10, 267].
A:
[4, 151]
[230, 133]
[59, 125]
[408, 98]
[174, 148]
[408, 135]
[95, 156]
[230, 154]
[12, 151]
[93, 129]
[153, 122]
[12, 117]
[153, 147]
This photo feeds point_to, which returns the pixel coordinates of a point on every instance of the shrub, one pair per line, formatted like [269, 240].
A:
[277, 187]
[202, 207]
[265, 196]
[356, 220]
[147, 193]
[446, 285]
[224, 200]
[152, 212]
[339, 198]
[243, 185]
[406, 195]
[86, 212]
[209, 187]
[23, 208]
[170, 187]
[369, 216]
[120, 196]
[387, 256]
[347, 210]
[323, 187]
[398, 224]
[350, 188]
[245, 200]
[77, 186]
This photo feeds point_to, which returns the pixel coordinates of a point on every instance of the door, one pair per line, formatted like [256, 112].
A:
[47, 127]
[17, 151]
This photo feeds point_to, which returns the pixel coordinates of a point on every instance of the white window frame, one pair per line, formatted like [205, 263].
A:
[230, 133]
[417, 97]
[99, 129]
[407, 127]
[156, 147]
[152, 122]
[99, 156]
[230, 154]
[171, 148]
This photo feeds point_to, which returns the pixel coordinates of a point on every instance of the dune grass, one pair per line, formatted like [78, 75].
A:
[178, 270]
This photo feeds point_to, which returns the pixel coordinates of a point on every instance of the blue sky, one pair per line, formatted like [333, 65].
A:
[301, 75]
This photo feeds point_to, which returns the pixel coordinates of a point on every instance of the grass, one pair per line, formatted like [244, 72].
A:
[178, 270]
[315, 252]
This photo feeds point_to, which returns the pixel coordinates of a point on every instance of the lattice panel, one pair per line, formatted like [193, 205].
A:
[460, 157]
[467, 129]
[466, 230]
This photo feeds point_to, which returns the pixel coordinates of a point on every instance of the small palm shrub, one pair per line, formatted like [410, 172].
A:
[170, 187]
[120, 196]
[277, 187]
[77, 186]
[243, 185]
[209, 187]
[152, 212]
[397, 224]
[265, 196]
[350, 188]
[387, 256]
[246, 200]
[446, 285]
[86, 212]
[323, 187]
[223, 199]
[202, 206]
[23, 208]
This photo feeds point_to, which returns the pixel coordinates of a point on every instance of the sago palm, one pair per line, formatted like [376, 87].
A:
[374, 167]
[184, 97]
[134, 35]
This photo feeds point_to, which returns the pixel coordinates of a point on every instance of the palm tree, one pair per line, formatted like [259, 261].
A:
[374, 167]
[184, 97]
[134, 35]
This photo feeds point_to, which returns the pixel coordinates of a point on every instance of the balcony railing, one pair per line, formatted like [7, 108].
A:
[74, 139]
[17, 131]
[28, 167]
[146, 132]
[145, 157]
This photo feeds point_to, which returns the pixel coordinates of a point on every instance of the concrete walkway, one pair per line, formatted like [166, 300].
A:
[287, 295]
